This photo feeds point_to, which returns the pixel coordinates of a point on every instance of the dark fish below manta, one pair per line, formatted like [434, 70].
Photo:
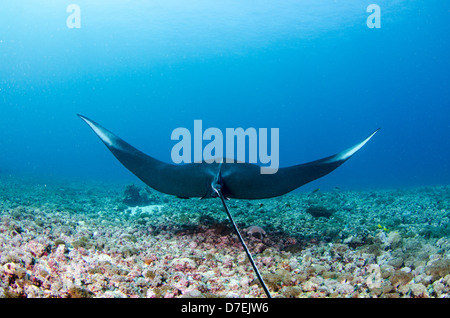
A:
[237, 180]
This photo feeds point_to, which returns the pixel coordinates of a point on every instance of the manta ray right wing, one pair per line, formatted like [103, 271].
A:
[245, 181]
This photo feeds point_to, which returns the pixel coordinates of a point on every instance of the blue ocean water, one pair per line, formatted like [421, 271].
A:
[312, 68]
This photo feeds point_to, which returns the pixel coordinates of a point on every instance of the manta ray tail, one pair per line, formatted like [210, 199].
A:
[217, 187]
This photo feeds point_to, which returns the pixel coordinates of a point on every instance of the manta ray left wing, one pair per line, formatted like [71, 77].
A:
[185, 181]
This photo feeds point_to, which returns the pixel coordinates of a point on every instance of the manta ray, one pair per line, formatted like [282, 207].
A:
[226, 180]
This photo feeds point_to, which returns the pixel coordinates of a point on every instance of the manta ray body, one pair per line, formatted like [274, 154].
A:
[224, 180]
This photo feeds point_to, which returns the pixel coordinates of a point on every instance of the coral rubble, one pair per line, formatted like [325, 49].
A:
[80, 240]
